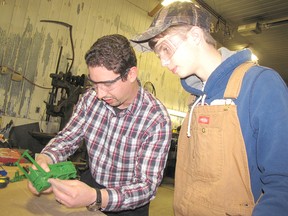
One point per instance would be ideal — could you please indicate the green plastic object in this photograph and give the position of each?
(39, 178)
(17, 177)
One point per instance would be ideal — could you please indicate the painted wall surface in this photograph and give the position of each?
(31, 47)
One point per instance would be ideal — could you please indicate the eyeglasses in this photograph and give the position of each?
(107, 85)
(167, 46)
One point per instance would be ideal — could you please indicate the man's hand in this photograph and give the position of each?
(72, 193)
(43, 161)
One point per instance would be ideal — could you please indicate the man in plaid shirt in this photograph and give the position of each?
(127, 132)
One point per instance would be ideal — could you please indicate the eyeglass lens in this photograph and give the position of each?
(106, 85)
(166, 48)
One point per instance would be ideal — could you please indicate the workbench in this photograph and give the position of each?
(17, 200)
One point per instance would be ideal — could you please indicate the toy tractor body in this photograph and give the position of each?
(39, 177)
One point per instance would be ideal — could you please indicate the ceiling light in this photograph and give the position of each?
(167, 2)
(257, 27)
(163, 4)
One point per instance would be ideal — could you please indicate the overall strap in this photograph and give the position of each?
(235, 81)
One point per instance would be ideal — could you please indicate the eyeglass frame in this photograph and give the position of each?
(167, 38)
(109, 81)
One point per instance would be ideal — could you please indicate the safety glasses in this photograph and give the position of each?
(167, 46)
(107, 85)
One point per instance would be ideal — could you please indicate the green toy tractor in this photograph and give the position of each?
(39, 178)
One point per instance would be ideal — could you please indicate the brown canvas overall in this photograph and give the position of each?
(212, 175)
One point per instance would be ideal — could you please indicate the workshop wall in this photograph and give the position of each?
(30, 50)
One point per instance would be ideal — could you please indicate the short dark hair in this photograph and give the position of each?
(114, 52)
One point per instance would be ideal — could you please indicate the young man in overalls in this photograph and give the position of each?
(232, 149)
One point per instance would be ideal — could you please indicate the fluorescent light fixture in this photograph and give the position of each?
(249, 29)
(167, 2)
(176, 113)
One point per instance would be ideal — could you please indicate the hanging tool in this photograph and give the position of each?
(71, 39)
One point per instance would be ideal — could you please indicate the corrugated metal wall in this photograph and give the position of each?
(31, 47)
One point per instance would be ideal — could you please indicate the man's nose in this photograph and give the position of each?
(101, 93)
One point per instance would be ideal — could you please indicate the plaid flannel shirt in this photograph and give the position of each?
(127, 151)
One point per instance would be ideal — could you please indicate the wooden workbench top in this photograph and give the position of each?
(17, 200)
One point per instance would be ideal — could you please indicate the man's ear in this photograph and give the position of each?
(133, 73)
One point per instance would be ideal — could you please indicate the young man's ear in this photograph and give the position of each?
(132, 74)
(195, 35)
